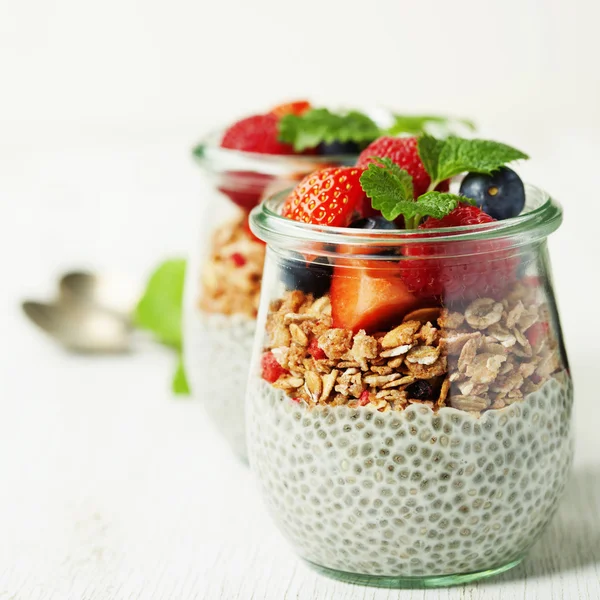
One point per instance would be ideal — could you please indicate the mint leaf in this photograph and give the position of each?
(419, 124)
(429, 149)
(389, 187)
(159, 309)
(446, 158)
(321, 125)
(437, 204)
(179, 384)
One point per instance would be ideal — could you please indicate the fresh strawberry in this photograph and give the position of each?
(258, 133)
(271, 369)
(368, 295)
(328, 197)
(472, 269)
(315, 350)
(298, 107)
(403, 151)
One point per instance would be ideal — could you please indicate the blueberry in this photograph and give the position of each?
(373, 223)
(338, 148)
(308, 277)
(501, 194)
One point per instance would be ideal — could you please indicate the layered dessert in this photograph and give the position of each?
(410, 405)
(254, 156)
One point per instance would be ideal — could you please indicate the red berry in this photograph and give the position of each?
(368, 295)
(315, 350)
(537, 332)
(258, 133)
(328, 197)
(298, 107)
(271, 369)
(364, 398)
(238, 259)
(472, 269)
(403, 151)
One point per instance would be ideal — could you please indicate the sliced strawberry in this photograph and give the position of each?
(271, 369)
(470, 269)
(330, 196)
(298, 107)
(368, 295)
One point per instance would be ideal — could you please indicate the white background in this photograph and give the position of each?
(109, 488)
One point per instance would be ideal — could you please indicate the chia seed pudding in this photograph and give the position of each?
(409, 402)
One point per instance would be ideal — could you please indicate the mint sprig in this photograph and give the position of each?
(320, 125)
(391, 191)
(446, 158)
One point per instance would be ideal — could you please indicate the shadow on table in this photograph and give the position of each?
(572, 540)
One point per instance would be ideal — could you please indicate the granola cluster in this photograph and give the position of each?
(232, 275)
(488, 356)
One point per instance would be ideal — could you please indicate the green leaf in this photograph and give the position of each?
(321, 125)
(446, 158)
(419, 124)
(389, 187)
(160, 308)
(429, 149)
(437, 204)
(179, 384)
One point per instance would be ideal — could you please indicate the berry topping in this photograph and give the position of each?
(328, 197)
(500, 194)
(377, 222)
(315, 350)
(238, 259)
(537, 332)
(482, 268)
(271, 369)
(364, 398)
(308, 277)
(258, 133)
(420, 390)
(298, 107)
(404, 152)
(368, 295)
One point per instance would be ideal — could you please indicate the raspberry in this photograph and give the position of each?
(474, 269)
(271, 369)
(403, 151)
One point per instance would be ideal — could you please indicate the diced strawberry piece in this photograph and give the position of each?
(331, 196)
(537, 332)
(315, 350)
(238, 259)
(368, 295)
(271, 369)
(298, 107)
(364, 398)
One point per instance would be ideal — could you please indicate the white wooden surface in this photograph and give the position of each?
(112, 489)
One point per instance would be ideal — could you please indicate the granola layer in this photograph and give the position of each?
(232, 275)
(486, 357)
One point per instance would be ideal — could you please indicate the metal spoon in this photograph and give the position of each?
(81, 328)
(106, 291)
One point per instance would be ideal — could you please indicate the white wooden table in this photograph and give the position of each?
(112, 489)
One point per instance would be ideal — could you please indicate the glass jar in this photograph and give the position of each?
(426, 441)
(224, 276)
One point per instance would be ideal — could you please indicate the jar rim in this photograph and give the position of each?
(209, 154)
(544, 216)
